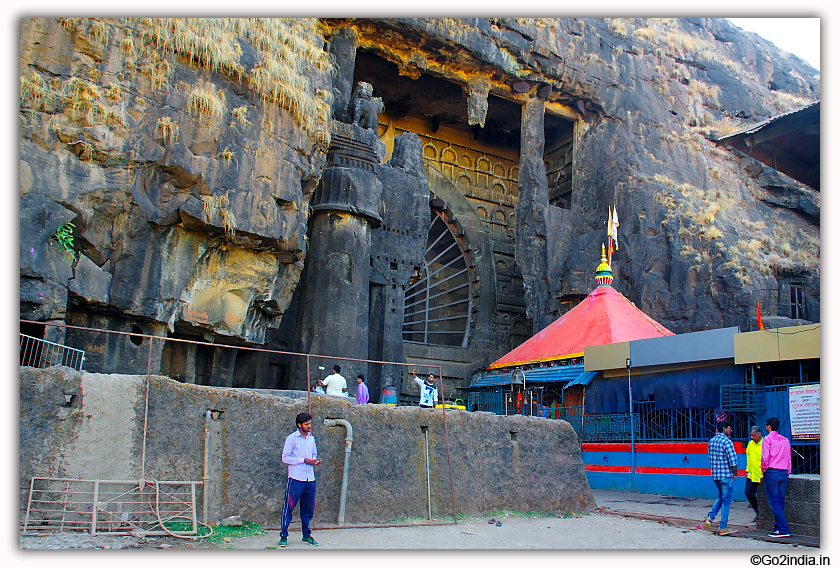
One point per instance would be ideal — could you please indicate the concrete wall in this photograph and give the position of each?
(802, 506)
(516, 463)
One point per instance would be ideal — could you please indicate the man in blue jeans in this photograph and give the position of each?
(776, 465)
(301, 454)
(724, 465)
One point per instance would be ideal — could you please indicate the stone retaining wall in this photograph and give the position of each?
(802, 506)
(514, 463)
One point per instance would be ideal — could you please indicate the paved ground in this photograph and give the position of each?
(616, 526)
(678, 507)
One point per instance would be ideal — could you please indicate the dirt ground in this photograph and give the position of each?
(588, 532)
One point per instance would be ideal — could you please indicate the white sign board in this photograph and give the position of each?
(804, 411)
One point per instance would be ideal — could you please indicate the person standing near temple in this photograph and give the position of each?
(301, 454)
(754, 473)
(776, 465)
(362, 393)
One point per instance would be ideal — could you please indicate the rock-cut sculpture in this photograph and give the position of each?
(365, 108)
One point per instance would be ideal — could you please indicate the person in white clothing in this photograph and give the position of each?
(428, 390)
(335, 384)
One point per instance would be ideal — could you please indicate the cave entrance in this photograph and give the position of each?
(483, 164)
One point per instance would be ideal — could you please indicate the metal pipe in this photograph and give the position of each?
(308, 388)
(632, 427)
(348, 447)
(448, 452)
(428, 471)
(206, 479)
(237, 347)
(146, 411)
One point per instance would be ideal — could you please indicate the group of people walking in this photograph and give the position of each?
(768, 463)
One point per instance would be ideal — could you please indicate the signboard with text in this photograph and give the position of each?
(804, 411)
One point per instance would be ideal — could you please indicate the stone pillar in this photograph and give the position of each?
(531, 212)
(478, 90)
(224, 361)
(334, 291)
(189, 351)
(343, 48)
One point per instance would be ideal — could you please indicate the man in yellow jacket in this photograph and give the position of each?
(753, 469)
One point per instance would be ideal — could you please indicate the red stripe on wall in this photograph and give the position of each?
(675, 470)
(611, 468)
(656, 470)
(665, 447)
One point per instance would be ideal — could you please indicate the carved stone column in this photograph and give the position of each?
(334, 290)
(478, 90)
(530, 213)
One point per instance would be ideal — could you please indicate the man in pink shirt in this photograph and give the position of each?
(775, 463)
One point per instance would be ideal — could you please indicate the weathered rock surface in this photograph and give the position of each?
(190, 191)
(498, 463)
(184, 186)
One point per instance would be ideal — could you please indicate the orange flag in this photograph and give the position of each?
(760, 321)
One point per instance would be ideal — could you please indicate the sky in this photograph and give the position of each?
(799, 36)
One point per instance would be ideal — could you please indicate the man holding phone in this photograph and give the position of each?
(301, 454)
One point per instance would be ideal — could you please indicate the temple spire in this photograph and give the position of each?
(603, 274)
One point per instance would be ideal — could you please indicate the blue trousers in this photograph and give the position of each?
(726, 492)
(775, 484)
(302, 492)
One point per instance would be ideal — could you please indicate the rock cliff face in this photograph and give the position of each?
(185, 155)
(186, 179)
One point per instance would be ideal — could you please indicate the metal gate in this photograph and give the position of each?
(115, 507)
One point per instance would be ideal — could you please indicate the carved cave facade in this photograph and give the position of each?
(453, 215)
(462, 301)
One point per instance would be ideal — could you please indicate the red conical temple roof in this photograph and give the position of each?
(604, 316)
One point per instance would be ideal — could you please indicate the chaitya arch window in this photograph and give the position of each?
(437, 307)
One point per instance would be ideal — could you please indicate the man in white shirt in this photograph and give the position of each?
(428, 390)
(335, 384)
(300, 453)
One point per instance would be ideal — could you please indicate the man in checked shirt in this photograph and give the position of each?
(301, 454)
(724, 466)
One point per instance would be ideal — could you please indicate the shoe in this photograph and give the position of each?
(755, 520)
(778, 534)
(310, 540)
(498, 523)
(708, 523)
(726, 531)
(491, 522)
(283, 542)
